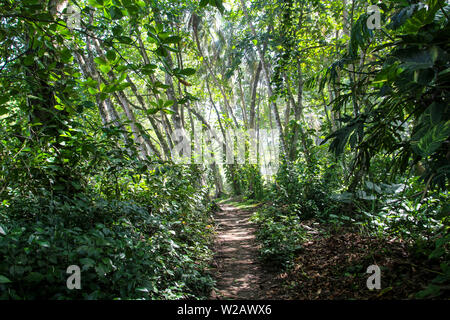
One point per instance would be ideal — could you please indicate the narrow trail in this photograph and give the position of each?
(239, 274)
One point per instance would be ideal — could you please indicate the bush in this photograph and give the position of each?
(246, 180)
(303, 189)
(280, 235)
(125, 249)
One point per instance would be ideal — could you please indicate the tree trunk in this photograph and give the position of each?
(269, 86)
(254, 91)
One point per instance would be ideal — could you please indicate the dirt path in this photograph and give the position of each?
(239, 274)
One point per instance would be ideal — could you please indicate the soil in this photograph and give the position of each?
(331, 264)
(239, 273)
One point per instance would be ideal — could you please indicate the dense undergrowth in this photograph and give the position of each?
(137, 229)
(87, 145)
(380, 214)
(385, 175)
(126, 249)
(153, 249)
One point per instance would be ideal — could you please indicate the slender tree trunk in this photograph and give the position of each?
(351, 67)
(214, 167)
(269, 87)
(243, 104)
(254, 91)
(155, 127)
(229, 110)
(287, 113)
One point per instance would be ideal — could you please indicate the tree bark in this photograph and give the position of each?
(269, 86)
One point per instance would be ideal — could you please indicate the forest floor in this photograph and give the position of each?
(331, 265)
(238, 271)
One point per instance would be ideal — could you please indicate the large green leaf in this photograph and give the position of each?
(4, 279)
(432, 139)
(187, 72)
(115, 13)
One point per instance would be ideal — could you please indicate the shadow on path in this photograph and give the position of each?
(239, 274)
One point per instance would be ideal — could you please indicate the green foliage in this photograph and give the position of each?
(126, 249)
(86, 115)
(215, 3)
(280, 235)
(76, 185)
(302, 189)
(245, 180)
(441, 254)
(403, 95)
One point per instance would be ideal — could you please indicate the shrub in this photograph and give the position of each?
(280, 234)
(125, 249)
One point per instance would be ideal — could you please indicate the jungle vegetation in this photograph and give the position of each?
(92, 92)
